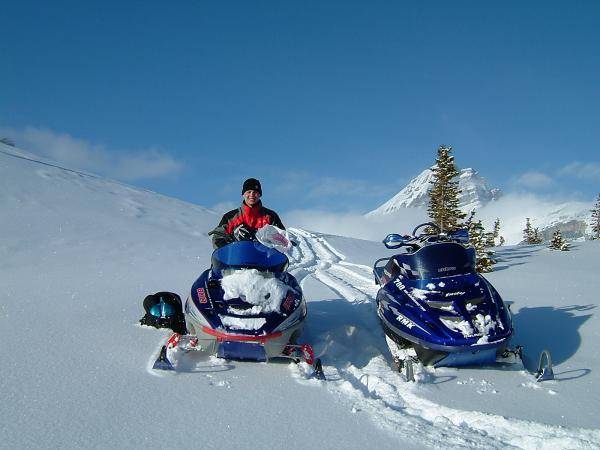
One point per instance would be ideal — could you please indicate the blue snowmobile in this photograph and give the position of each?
(251, 327)
(436, 309)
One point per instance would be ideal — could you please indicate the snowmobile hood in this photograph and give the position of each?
(208, 306)
(459, 311)
(248, 254)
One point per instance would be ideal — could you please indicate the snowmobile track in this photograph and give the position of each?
(375, 388)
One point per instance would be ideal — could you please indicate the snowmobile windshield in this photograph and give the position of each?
(248, 254)
(440, 260)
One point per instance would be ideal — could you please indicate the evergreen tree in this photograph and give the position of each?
(484, 261)
(469, 220)
(496, 233)
(489, 240)
(596, 219)
(496, 228)
(528, 232)
(558, 243)
(443, 195)
(537, 238)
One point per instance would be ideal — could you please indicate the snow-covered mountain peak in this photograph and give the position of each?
(475, 192)
(414, 194)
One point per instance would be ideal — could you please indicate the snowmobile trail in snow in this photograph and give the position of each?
(345, 332)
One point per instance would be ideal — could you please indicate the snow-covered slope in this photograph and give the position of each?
(572, 218)
(78, 253)
(475, 193)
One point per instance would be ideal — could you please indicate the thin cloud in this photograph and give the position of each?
(327, 190)
(146, 164)
(80, 153)
(582, 171)
(332, 186)
(534, 180)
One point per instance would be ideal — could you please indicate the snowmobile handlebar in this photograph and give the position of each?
(437, 229)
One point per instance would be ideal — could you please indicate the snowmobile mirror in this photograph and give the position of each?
(394, 240)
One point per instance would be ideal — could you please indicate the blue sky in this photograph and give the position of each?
(333, 105)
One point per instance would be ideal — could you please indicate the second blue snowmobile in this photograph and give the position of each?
(436, 309)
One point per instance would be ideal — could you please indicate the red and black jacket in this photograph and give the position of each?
(255, 217)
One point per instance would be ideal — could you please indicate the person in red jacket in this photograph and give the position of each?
(241, 224)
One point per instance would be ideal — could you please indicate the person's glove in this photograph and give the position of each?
(243, 233)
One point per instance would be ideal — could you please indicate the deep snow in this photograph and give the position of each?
(78, 253)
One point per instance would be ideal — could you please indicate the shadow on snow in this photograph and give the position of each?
(347, 333)
(555, 329)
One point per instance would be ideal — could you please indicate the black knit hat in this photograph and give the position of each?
(252, 184)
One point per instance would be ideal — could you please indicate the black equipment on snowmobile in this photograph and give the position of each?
(164, 310)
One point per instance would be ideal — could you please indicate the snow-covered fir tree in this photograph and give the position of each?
(496, 228)
(489, 239)
(531, 235)
(596, 219)
(477, 237)
(469, 220)
(497, 233)
(528, 232)
(558, 242)
(537, 237)
(443, 195)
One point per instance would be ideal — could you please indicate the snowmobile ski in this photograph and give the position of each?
(179, 345)
(318, 372)
(162, 362)
(544, 371)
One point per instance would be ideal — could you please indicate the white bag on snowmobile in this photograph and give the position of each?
(273, 237)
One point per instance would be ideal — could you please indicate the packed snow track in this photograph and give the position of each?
(345, 333)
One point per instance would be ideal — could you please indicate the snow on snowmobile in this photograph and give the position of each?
(437, 310)
(245, 307)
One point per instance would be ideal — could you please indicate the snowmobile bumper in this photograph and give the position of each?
(468, 358)
(242, 351)
(436, 355)
(247, 347)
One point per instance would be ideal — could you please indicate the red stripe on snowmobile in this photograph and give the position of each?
(173, 340)
(240, 337)
(309, 354)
